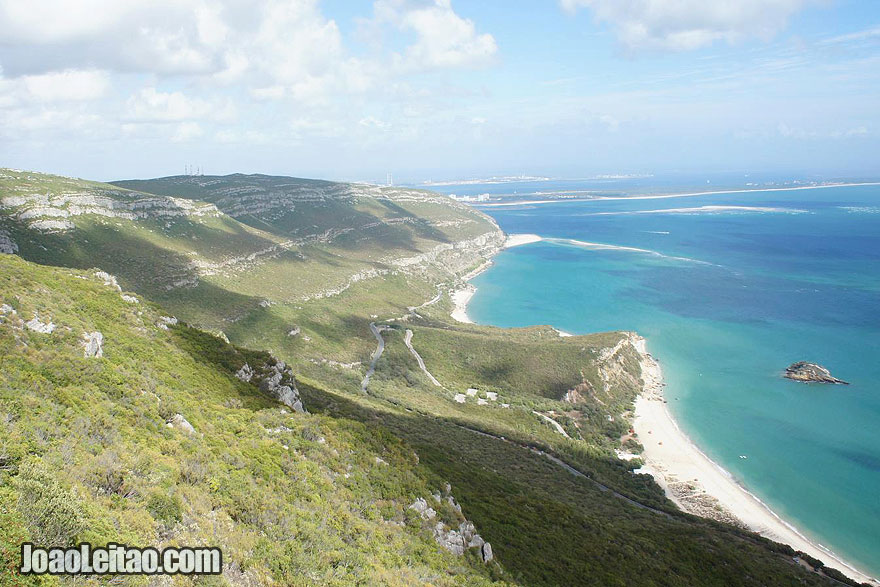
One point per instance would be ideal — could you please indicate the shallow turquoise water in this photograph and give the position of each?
(727, 300)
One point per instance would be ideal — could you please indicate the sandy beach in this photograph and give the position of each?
(515, 240)
(694, 482)
(460, 299)
(698, 485)
(667, 196)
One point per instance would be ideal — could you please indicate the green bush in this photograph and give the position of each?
(51, 512)
(165, 508)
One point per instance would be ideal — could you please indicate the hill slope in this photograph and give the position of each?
(158, 442)
(522, 423)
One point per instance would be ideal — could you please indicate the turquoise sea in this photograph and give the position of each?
(727, 297)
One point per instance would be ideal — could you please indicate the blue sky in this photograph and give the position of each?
(439, 89)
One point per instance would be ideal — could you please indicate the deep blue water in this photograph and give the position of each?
(727, 300)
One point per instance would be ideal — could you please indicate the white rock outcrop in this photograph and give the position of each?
(52, 211)
(278, 381)
(178, 421)
(38, 326)
(166, 321)
(245, 373)
(455, 540)
(108, 279)
(94, 345)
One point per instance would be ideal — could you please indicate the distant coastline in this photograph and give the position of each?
(667, 196)
(674, 460)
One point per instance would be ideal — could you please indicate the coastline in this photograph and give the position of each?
(460, 296)
(667, 196)
(698, 485)
(690, 479)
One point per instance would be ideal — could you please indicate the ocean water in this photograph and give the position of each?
(729, 289)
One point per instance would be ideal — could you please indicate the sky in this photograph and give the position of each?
(440, 89)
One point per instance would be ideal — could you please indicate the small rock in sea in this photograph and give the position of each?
(811, 373)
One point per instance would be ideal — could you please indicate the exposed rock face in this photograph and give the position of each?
(51, 212)
(457, 541)
(811, 373)
(166, 321)
(37, 326)
(7, 246)
(245, 373)
(487, 552)
(178, 421)
(108, 279)
(275, 379)
(94, 342)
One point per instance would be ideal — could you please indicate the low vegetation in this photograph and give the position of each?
(522, 427)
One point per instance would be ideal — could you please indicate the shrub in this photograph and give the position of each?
(165, 508)
(51, 512)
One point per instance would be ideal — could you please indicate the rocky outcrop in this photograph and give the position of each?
(456, 257)
(109, 280)
(37, 325)
(275, 379)
(456, 540)
(166, 321)
(181, 423)
(245, 373)
(53, 211)
(94, 345)
(7, 245)
(811, 373)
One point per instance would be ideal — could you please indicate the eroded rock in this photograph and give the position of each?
(37, 326)
(94, 345)
(811, 373)
(456, 540)
(178, 421)
(245, 373)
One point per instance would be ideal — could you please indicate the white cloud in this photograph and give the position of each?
(151, 105)
(160, 36)
(182, 69)
(66, 85)
(688, 24)
(373, 122)
(187, 131)
(443, 38)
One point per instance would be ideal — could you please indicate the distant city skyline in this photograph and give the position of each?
(437, 90)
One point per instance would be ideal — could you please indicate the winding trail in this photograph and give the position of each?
(407, 340)
(377, 354)
(555, 424)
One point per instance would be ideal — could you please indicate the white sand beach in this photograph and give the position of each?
(667, 196)
(698, 485)
(460, 299)
(690, 479)
(515, 240)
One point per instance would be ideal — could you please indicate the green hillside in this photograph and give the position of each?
(521, 424)
(295, 497)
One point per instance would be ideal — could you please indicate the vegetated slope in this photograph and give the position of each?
(504, 395)
(274, 256)
(155, 441)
